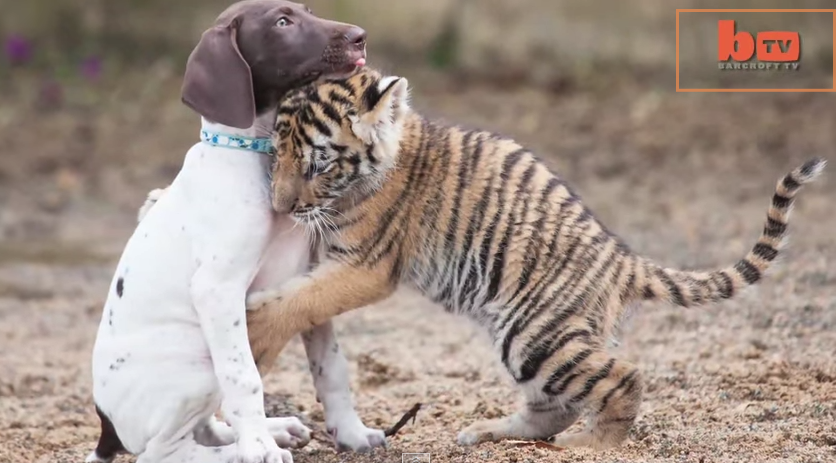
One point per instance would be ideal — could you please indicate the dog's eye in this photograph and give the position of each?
(284, 21)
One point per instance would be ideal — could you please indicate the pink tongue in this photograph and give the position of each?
(360, 62)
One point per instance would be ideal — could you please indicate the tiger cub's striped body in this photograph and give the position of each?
(479, 225)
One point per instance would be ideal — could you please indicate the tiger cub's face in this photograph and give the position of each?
(335, 141)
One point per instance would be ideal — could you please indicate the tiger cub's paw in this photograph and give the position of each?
(258, 299)
(483, 431)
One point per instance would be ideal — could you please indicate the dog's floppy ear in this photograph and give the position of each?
(218, 83)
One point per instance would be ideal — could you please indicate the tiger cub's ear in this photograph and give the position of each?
(384, 107)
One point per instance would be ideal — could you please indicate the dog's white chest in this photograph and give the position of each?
(287, 254)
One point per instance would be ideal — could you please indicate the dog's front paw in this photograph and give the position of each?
(261, 448)
(352, 434)
(289, 432)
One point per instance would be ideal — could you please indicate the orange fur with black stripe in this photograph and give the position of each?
(476, 223)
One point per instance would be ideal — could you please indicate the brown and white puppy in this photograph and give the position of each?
(172, 345)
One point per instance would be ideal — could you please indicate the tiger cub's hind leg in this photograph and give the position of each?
(578, 378)
(545, 413)
(610, 390)
(529, 423)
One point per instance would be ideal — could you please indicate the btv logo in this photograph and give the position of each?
(770, 48)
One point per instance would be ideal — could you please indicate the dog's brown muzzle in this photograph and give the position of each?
(347, 51)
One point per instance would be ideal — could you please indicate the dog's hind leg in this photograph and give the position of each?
(109, 444)
(286, 431)
(188, 450)
(215, 433)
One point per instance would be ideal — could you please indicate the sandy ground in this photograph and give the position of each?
(684, 178)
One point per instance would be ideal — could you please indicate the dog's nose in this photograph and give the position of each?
(356, 36)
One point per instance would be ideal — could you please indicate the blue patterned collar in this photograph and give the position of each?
(259, 145)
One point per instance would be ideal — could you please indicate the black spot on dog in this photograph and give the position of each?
(120, 286)
(255, 390)
(237, 323)
(118, 364)
(319, 372)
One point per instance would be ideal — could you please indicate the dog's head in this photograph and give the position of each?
(258, 50)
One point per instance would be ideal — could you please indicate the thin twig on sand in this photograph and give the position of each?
(411, 414)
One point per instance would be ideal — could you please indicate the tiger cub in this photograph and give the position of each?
(478, 224)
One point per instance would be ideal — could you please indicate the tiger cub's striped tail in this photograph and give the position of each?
(691, 288)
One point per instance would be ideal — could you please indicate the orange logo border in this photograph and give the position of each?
(749, 90)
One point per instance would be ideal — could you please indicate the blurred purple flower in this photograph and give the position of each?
(18, 49)
(91, 68)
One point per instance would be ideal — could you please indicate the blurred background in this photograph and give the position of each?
(91, 119)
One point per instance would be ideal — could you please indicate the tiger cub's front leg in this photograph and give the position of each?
(332, 288)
